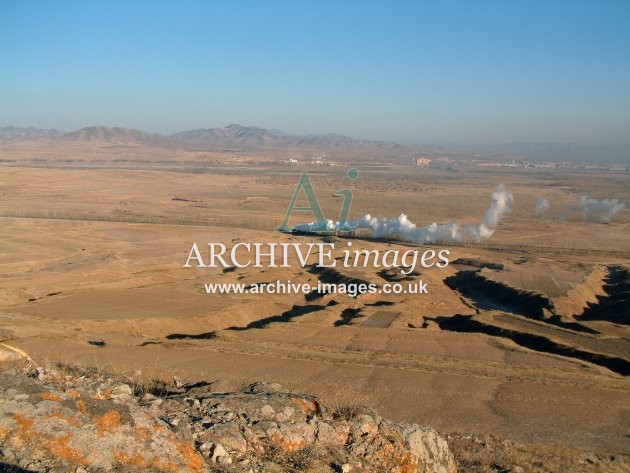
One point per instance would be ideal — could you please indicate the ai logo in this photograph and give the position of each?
(305, 184)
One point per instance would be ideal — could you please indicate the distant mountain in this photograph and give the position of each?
(113, 135)
(246, 138)
(233, 136)
(15, 133)
(335, 141)
(251, 137)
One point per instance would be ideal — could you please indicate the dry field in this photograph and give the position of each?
(525, 335)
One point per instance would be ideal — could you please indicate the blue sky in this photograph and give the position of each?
(470, 71)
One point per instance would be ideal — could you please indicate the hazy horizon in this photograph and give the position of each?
(408, 72)
(428, 143)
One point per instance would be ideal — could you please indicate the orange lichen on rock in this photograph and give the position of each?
(60, 448)
(51, 397)
(108, 421)
(407, 463)
(22, 421)
(142, 433)
(287, 445)
(193, 459)
(102, 397)
(305, 405)
(80, 405)
(135, 460)
(124, 434)
(143, 463)
(163, 465)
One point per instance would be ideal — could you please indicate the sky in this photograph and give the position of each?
(410, 71)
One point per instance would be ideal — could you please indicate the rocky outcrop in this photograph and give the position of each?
(44, 429)
(50, 422)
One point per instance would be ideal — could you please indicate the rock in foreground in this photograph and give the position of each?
(54, 423)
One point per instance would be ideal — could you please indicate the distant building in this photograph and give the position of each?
(321, 160)
(441, 163)
(423, 162)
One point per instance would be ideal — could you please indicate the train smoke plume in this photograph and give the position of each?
(599, 210)
(541, 207)
(500, 206)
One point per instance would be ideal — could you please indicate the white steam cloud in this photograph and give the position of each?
(500, 206)
(541, 207)
(599, 210)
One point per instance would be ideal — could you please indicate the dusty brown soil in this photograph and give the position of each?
(535, 351)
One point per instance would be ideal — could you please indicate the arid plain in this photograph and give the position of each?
(525, 335)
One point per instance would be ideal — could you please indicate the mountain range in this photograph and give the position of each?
(250, 138)
(233, 136)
